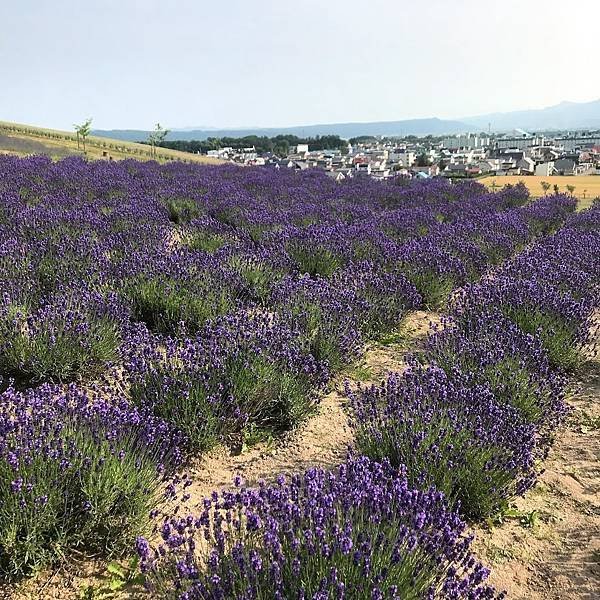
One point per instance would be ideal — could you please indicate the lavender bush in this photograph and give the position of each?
(58, 338)
(243, 372)
(511, 363)
(76, 472)
(449, 433)
(359, 531)
(480, 404)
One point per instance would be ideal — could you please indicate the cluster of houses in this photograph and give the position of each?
(470, 155)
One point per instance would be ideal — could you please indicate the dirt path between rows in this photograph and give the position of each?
(322, 441)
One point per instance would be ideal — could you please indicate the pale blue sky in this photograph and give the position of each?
(228, 63)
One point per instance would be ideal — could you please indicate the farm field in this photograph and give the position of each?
(23, 140)
(587, 187)
(225, 382)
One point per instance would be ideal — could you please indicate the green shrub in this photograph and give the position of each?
(75, 474)
(244, 374)
(258, 277)
(183, 210)
(314, 260)
(558, 336)
(204, 241)
(273, 398)
(182, 401)
(55, 343)
(164, 304)
(449, 434)
(435, 289)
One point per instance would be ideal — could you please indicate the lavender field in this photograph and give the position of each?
(149, 314)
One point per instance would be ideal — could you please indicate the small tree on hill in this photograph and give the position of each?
(157, 137)
(556, 188)
(571, 189)
(83, 131)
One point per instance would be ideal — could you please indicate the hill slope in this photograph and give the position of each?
(24, 139)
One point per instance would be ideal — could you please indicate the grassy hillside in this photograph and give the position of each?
(24, 139)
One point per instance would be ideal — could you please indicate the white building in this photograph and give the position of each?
(526, 164)
(405, 158)
(544, 169)
(470, 140)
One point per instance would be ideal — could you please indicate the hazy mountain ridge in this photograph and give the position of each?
(566, 115)
(347, 130)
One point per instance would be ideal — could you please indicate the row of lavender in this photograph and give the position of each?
(211, 304)
(466, 424)
(477, 411)
(111, 264)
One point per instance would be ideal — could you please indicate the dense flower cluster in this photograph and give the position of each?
(479, 406)
(77, 469)
(359, 531)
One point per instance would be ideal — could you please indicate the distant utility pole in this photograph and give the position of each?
(157, 137)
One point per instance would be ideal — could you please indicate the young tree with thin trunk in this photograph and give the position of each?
(83, 131)
(157, 137)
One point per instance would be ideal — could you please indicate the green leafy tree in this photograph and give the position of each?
(83, 131)
(571, 189)
(157, 137)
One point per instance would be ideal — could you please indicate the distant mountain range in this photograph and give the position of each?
(344, 130)
(566, 115)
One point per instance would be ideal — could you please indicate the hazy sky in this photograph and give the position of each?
(227, 63)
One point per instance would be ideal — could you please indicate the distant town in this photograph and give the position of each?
(461, 156)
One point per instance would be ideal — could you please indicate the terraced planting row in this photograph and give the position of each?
(150, 313)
